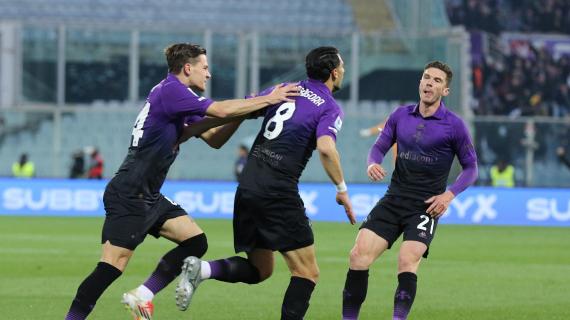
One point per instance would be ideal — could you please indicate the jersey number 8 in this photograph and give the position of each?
(283, 113)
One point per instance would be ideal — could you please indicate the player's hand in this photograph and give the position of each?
(376, 172)
(284, 93)
(343, 199)
(439, 204)
(560, 151)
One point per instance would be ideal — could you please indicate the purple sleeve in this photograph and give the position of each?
(261, 112)
(384, 141)
(180, 101)
(465, 151)
(330, 121)
(466, 178)
(192, 119)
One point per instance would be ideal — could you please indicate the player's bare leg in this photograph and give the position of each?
(304, 275)
(367, 248)
(191, 242)
(409, 260)
(114, 260)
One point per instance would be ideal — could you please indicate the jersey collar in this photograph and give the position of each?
(439, 114)
(319, 85)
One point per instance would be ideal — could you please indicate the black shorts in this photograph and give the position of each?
(128, 221)
(270, 222)
(393, 216)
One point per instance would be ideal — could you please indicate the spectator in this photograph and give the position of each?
(547, 16)
(23, 168)
(96, 165)
(525, 79)
(561, 153)
(502, 174)
(78, 165)
(241, 160)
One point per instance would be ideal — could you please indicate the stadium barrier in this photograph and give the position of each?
(205, 199)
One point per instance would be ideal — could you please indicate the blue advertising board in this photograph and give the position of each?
(203, 199)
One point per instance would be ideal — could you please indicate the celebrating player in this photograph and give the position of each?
(268, 211)
(429, 136)
(133, 202)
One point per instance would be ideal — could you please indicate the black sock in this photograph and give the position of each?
(91, 289)
(234, 269)
(405, 294)
(169, 267)
(296, 300)
(354, 293)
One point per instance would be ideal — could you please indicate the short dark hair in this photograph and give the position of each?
(178, 54)
(443, 67)
(320, 62)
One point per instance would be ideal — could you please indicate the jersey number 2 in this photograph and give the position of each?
(426, 220)
(283, 113)
(139, 123)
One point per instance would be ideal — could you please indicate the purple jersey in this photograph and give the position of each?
(426, 148)
(288, 137)
(157, 128)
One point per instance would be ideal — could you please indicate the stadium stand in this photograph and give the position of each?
(108, 127)
(550, 16)
(393, 49)
(521, 81)
(294, 15)
(517, 75)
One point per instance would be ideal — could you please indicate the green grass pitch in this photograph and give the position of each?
(473, 272)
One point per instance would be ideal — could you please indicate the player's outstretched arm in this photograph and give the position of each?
(198, 128)
(240, 107)
(218, 136)
(330, 160)
(214, 131)
(372, 131)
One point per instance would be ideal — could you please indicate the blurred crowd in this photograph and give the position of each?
(547, 16)
(528, 81)
(523, 78)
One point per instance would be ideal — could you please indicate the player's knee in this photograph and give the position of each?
(195, 246)
(408, 263)
(360, 259)
(308, 272)
(315, 275)
(264, 274)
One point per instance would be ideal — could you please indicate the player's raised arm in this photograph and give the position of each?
(330, 160)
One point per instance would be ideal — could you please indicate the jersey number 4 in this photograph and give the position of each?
(283, 113)
(139, 123)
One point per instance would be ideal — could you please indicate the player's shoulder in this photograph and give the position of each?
(454, 118)
(458, 125)
(332, 104)
(402, 110)
(408, 108)
(173, 86)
